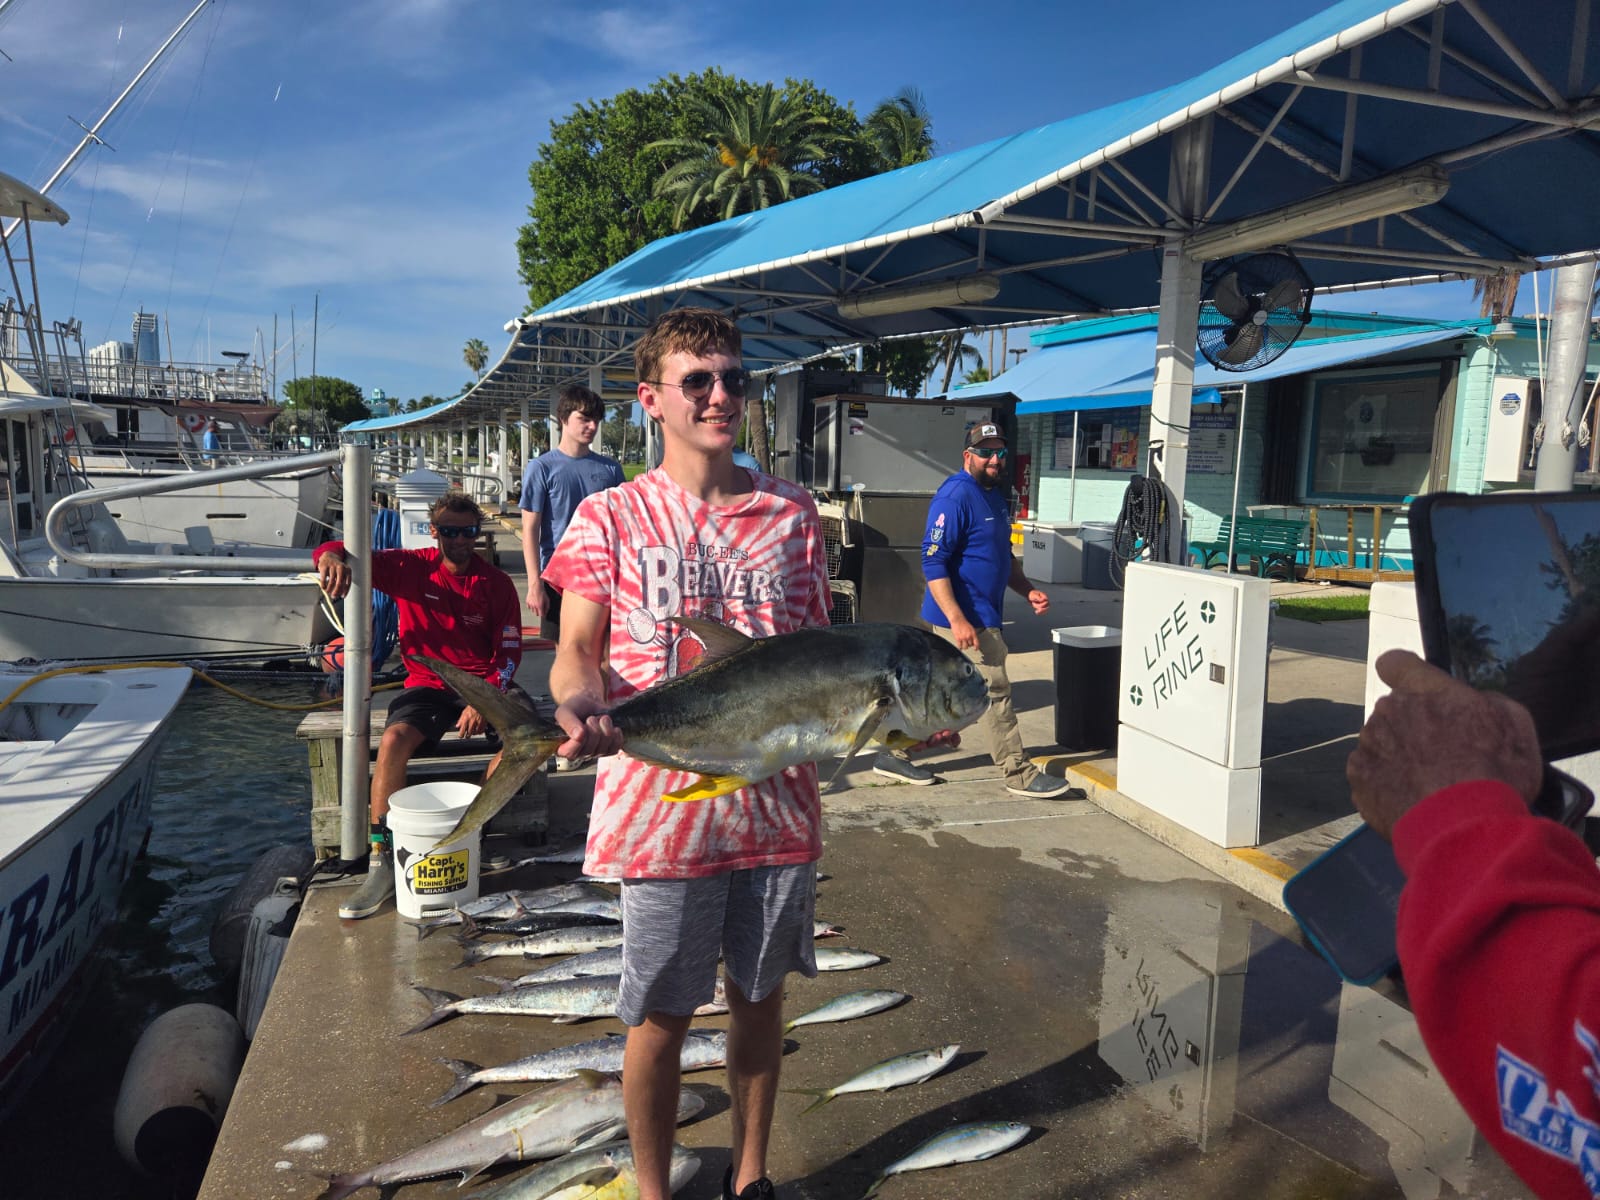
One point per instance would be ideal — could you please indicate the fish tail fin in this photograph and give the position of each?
(464, 1072)
(822, 1096)
(526, 738)
(340, 1186)
(442, 1010)
(426, 929)
(499, 985)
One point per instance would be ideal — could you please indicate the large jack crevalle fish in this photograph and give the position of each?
(751, 707)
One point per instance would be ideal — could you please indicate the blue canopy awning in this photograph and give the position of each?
(420, 416)
(1073, 215)
(1106, 372)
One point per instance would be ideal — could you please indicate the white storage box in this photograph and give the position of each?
(1052, 553)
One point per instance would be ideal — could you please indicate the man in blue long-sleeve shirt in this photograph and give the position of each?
(968, 564)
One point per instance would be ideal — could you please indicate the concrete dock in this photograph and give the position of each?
(1134, 994)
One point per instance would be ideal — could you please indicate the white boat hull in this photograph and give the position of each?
(121, 619)
(74, 814)
(285, 511)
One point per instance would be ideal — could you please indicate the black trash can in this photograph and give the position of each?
(1099, 544)
(1088, 677)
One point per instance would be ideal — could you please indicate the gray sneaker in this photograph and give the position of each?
(1048, 787)
(903, 770)
(375, 890)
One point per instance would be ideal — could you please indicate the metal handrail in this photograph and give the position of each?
(56, 533)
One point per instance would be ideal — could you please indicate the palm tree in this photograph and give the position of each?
(899, 131)
(978, 374)
(754, 152)
(1497, 294)
(476, 355)
(955, 350)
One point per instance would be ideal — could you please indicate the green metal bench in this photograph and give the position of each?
(1266, 542)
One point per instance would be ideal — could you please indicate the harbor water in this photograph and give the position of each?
(232, 784)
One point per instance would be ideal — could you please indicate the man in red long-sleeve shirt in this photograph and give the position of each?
(453, 606)
(1499, 930)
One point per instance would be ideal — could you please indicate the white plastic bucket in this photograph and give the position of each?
(426, 883)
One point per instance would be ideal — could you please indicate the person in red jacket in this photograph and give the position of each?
(1499, 929)
(453, 606)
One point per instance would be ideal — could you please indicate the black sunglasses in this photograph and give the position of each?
(455, 531)
(697, 384)
(988, 452)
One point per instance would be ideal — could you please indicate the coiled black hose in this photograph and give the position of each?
(1143, 526)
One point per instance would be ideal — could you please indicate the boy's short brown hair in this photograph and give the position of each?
(455, 502)
(697, 331)
(577, 398)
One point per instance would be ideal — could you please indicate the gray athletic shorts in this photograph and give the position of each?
(758, 921)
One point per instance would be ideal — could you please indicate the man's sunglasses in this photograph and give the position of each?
(988, 452)
(697, 384)
(455, 531)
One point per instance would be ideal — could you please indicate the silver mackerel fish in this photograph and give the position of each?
(702, 1049)
(566, 1001)
(752, 707)
(582, 1112)
(973, 1142)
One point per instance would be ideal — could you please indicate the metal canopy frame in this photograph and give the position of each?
(1076, 217)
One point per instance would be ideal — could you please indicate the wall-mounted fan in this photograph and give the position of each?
(1252, 309)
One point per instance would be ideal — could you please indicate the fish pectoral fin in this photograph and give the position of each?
(719, 640)
(869, 727)
(708, 787)
(898, 739)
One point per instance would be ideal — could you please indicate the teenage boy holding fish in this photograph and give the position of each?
(732, 875)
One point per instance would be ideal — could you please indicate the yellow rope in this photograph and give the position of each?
(216, 683)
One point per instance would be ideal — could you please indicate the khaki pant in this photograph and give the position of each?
(999, 723)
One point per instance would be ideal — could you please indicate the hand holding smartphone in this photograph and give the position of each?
(1508, 598)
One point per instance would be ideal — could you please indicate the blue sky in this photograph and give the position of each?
(374, 153)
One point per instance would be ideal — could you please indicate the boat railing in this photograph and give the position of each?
(90, 377)
(57, 528)
(165, 457)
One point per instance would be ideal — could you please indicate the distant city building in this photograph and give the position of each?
(112, 352)
(146, 337)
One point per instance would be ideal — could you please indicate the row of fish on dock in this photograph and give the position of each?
(576, 1120)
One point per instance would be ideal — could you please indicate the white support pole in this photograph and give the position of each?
(527, 435)
(1571, 304)
(597, 384)
(354, 788)
(1177, 326)
(505, 464)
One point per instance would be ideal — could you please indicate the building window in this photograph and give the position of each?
(1371, 435)
(1108, 440)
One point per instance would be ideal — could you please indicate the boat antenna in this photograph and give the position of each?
(91, 134)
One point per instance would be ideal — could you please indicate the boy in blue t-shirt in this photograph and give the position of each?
(553, 485)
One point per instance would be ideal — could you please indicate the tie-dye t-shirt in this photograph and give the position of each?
(648, 550)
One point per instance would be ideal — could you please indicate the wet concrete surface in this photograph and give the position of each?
(1162, 1032)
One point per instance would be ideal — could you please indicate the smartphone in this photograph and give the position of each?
(1347, 901)
(1508, 598)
